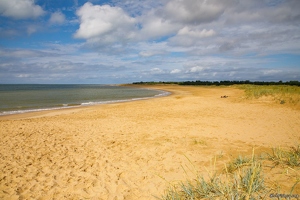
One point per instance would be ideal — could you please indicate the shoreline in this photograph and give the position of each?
(14, 114)
(133, 150)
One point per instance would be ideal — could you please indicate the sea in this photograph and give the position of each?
(22, 98)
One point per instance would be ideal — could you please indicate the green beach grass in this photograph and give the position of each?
(242, 178)
(290, 157)
(282, 94)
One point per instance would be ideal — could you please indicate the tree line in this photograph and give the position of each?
(218, 83)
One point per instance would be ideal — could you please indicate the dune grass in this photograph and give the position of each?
(243, 183)
(290, 157)
(280, 93)
(237, 163)
(242, 178)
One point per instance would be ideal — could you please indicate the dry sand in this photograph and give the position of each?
(133, 150)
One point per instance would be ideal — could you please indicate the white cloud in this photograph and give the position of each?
(139, 7)
(20, 9)
(193, 11)
(151, 53)
(57, 18)
(196, 69)
(287, 12)
(22, 75)
(175, 71)
(104, 24)
(193, 37)
(195, 33)
(31, 29)
(156, 71)
(270, 11)
(166, 40)
(107, 24)
(167, 19)
(154, 27)
(146, 54)
(271, 71)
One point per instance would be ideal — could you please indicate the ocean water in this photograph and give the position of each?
(15, 98)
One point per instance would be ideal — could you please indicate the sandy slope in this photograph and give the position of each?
(133, 150)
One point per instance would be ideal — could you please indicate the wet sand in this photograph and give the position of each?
(133, 150)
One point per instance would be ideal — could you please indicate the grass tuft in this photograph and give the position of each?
(245, 183)
(238, 163)
(279, 93)
(242, 179)
(289, 157)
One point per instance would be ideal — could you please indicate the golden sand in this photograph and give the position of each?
(133, 150)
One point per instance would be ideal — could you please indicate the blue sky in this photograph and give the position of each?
(124, 41)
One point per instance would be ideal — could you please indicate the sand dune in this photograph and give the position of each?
(133, 150)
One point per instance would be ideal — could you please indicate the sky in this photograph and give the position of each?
(125, 41)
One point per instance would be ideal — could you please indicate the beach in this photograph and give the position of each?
(134, 150)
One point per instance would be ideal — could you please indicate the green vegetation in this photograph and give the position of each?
(239, 162)
(279, 93)
(289, 157)
(242, 178)
(259, 91)
(245, 182)
(201, 142)
(218, 83)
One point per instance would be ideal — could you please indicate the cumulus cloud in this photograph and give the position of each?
(151, 53)
(195, 33)
(271, 11)
(154, 26)
(20, 9)
(175, 71)
(164, 40)
(104, 24)
(288, 12)
(196, 69)
(156, 70)
(108, 24)
(57, 64)
(57, 18)
(173, 15)
(193, 11)
(192, 37)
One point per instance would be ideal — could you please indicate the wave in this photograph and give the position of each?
(163, 93)
(68, 106)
